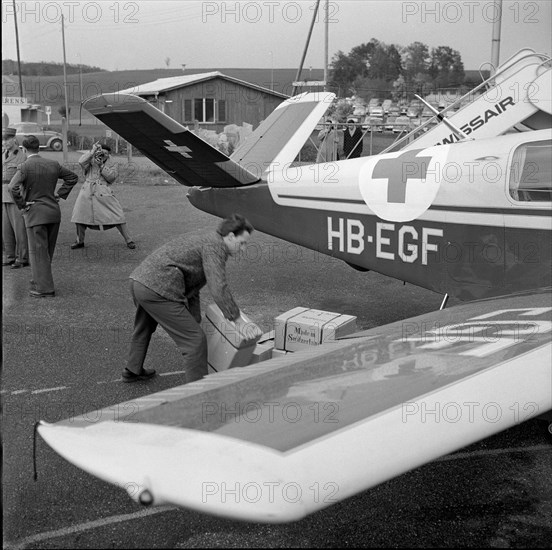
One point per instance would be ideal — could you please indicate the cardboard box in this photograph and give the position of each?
(266, 337)
(262, 352)
(229, 344)
(301, 327)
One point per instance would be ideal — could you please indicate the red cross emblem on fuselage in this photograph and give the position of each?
(398, 171)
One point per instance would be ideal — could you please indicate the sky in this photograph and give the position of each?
(127, 35)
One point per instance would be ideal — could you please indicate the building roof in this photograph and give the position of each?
(171, 83)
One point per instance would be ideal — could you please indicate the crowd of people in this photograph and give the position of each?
(165, 287)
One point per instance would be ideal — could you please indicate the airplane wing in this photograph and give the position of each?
(192, 161)
(179, 152)
(278, 440)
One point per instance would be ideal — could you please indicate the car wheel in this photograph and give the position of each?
(56, 145)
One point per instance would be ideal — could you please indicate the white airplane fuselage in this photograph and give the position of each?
(444, 218)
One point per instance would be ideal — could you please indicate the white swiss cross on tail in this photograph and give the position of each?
(182, 149)
(400, 187)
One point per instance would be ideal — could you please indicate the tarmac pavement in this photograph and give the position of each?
(63, 356)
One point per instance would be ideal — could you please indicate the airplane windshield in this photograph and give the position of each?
(531, 172)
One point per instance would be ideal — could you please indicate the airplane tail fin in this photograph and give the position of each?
(194, 162)
(279, 138)
(179, 152)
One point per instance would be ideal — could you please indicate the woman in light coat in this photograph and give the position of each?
(97, 206)
(329, 140)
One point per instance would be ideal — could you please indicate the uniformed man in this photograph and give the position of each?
(14, 235)
(33, 189)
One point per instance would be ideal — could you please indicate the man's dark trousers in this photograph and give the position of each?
(42, 243)
(152, 310)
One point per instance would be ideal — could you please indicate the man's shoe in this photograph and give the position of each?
(8, 262)
(131, 245)
(17, 265)
(145, 374)
(37, 294)
(77, 245)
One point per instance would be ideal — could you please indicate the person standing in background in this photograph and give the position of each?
(97, 207)
(33, 188)
(14, 235)
(329, 141)
(352, 140)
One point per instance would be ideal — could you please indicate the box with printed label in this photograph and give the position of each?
(229, 343)
(301, 327)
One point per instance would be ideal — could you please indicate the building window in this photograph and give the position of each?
(531, 172)
(188, 117)
(204, 110)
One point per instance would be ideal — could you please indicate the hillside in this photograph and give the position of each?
(50, 91)
(10, 67)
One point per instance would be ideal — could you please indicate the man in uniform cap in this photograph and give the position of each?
(14, 235)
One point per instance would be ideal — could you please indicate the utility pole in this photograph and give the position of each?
(271, 71)
(66, 88)
(65, 126)
(21, 90)
(298, 75)
(326, 33)
(80, 82)
(495, 44)
(80, 77)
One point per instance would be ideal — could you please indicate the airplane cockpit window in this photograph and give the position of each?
(531, 172)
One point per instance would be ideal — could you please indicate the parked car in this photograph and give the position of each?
(47, 138)
(374, 124)
(389, 123)
(394, 110)
(403, 108)
(427, 112)
(414, 109)
(402, 124)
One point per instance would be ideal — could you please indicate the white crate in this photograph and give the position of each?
(229, 344)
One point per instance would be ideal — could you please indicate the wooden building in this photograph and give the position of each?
(212, 99)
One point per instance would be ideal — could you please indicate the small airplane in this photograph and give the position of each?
(278, 440)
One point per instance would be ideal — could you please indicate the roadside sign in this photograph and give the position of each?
(48, 109)
(108, 133)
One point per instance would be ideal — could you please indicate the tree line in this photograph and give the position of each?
(376, 69)
(9, 67)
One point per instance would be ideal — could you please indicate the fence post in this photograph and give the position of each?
(129, 154)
